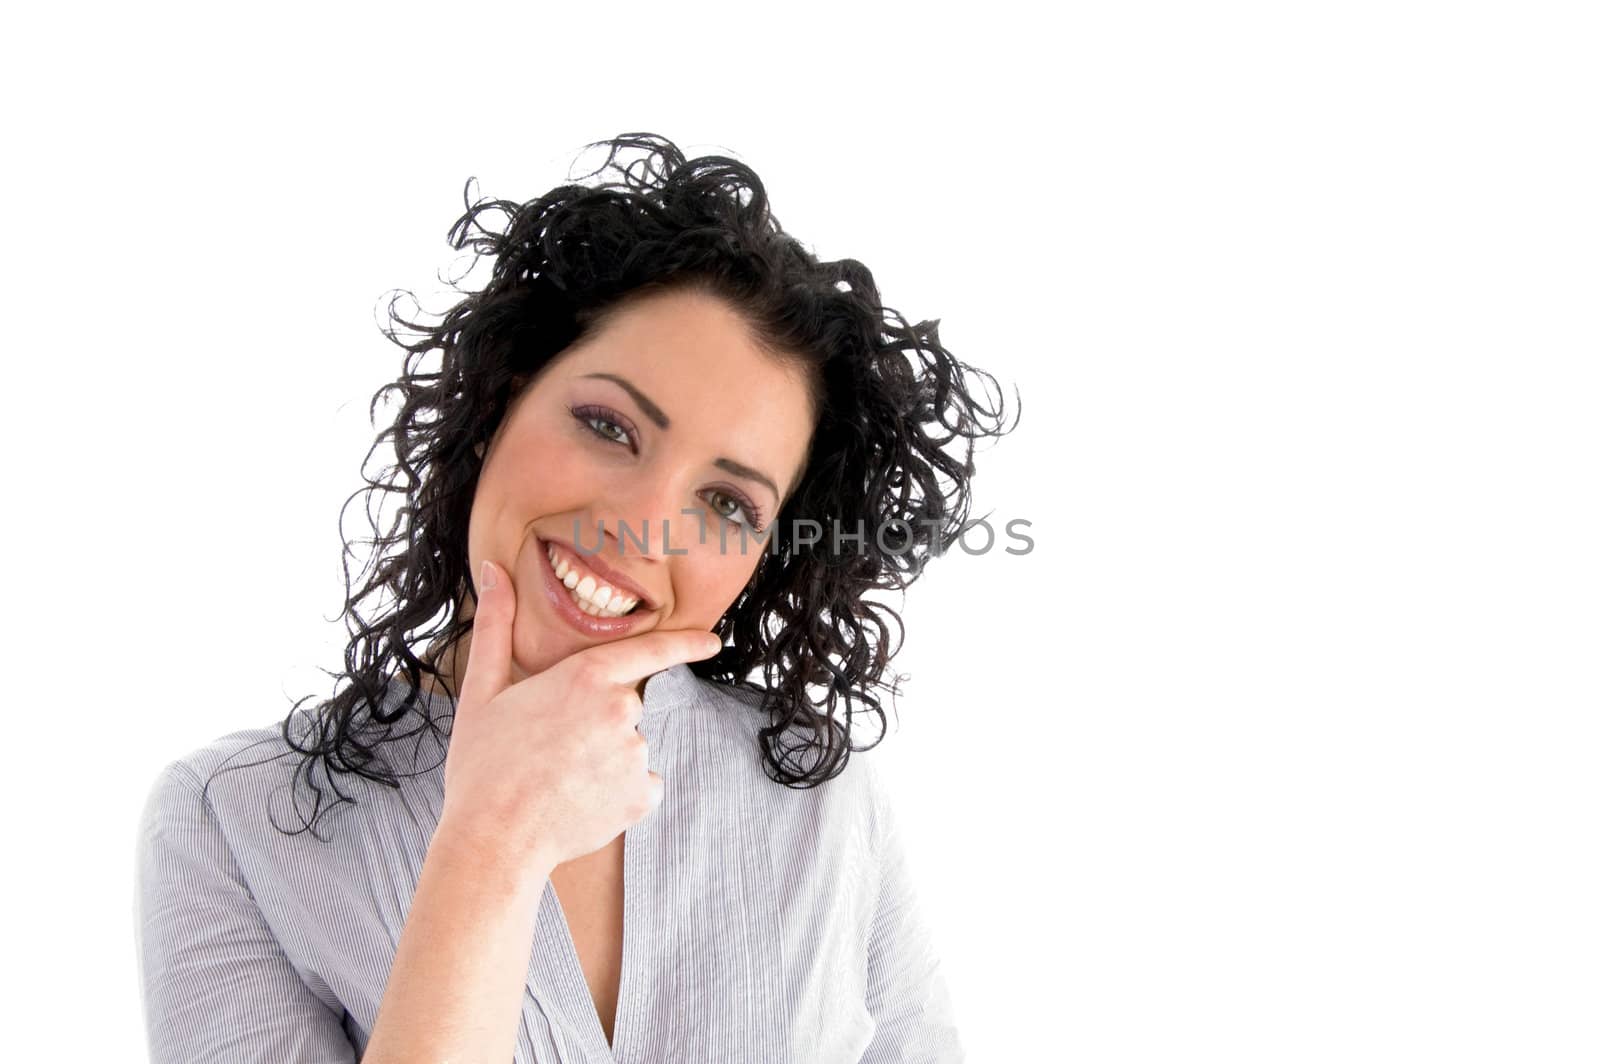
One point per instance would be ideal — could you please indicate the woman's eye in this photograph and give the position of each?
(620, 435)
(603, 424)
(729, 505)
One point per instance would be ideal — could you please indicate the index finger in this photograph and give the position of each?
(630, 660)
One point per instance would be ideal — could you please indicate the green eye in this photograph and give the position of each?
(621, 436)
(728, 504)
(604, 424)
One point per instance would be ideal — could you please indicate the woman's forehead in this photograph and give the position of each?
(692, 348)
(680, 329)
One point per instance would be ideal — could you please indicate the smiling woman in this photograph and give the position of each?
(591, 749)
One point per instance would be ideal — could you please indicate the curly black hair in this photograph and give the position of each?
(891, 402)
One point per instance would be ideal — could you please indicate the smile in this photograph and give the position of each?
(591, 594)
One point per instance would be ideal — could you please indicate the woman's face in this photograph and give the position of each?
(654, 439)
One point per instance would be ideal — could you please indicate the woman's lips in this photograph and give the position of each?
(562, 602)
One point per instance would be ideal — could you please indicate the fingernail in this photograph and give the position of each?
(488, 581)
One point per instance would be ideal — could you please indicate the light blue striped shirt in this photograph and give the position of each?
(761, 923)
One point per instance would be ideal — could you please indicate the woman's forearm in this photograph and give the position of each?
(455, 989)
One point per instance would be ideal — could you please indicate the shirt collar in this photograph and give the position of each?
(672, 686)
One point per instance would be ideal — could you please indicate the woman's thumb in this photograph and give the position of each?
(489, 654)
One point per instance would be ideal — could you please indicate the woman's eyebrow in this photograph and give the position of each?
(651, 410)
(654, 413)
(745, 471)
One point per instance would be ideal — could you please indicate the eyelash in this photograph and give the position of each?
(587, 415)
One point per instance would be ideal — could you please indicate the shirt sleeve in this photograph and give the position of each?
(906, 992)
(214, 982)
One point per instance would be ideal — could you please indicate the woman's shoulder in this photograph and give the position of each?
(251, 767)
(212, 781)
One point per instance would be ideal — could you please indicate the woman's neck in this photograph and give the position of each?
(444, 683)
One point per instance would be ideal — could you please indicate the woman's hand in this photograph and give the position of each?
(552, 767)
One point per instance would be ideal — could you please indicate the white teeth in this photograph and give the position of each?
(593, 597)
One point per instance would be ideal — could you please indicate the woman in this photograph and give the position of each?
(609, 811)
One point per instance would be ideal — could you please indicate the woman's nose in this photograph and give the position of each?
(654, 521)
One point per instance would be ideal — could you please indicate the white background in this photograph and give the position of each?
(1281, 744)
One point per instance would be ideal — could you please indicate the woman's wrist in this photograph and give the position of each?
(485, 849)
